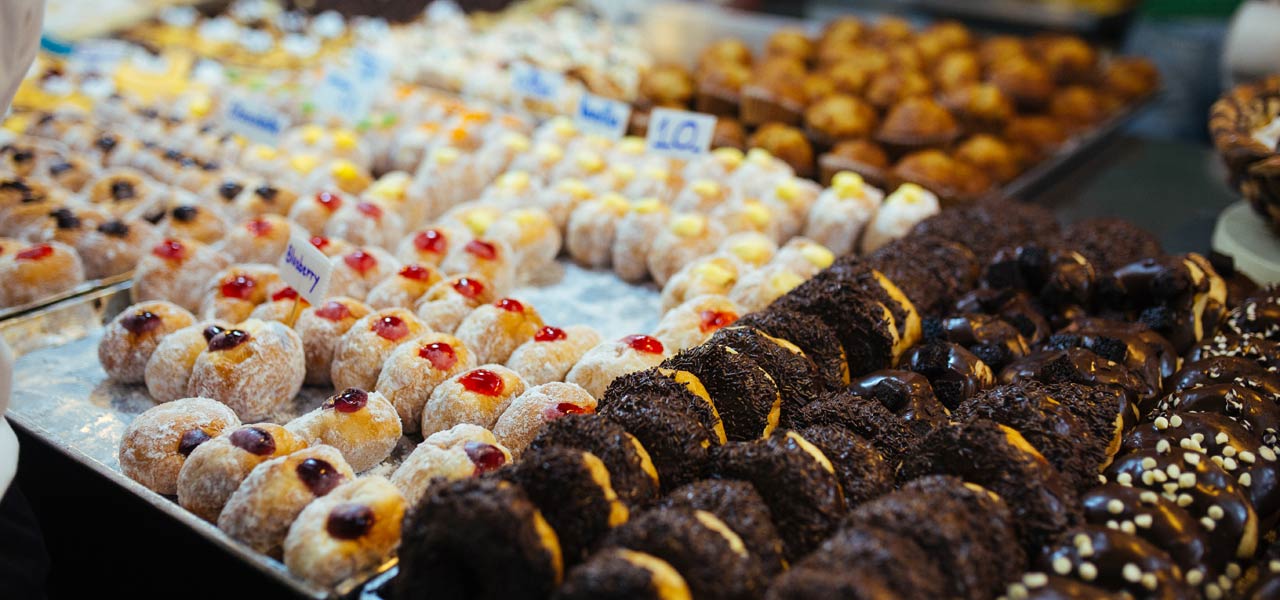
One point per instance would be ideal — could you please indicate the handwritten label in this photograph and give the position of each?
(678, 133)
(536, 84)
(306, 269)
(602, 116)
(255, 120)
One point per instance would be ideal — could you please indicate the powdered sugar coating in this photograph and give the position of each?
(365, 437)
(363, 225)
(534, 238)
(686, 326)
(28, 281)
(258, 240)
(169, 369)
(256, 378)
(442, 308)
(608, 361)
(398, 291)
(634, 236)
(542, 362)
(803, 257)
(460, 434)
(524, 418)
(217, 305)
(124, 354)
(707, 275)
(499, 271)
(758, 288)
(149, 449)
(407, 378)
(212, 473)
(685, 238)
(451, 404)
(358, 359)
(345, 280)
(313, 553)
(182, 282)
(592, 226)
(429, 464)
(837, 221)
(492, 333)
(321, 336)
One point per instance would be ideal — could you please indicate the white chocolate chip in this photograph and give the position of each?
(1187, 480)
(1062, 565)
(1115, 506)
(1195, 577)
(1221, 438)
(1035, 580)
(1192, 458)
(1245, 479)
(1162, 446)
(1088, 572)
(1267, 453)
(1247, 457)
(1161, 423)
(1143, 521)
(1149, 581)
(1208, 523)
(1216, 513)
(1131, 573)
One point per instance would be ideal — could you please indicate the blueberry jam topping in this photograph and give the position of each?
(140, 322)
(114, 228)
(227, 340)
(319, 476)
(190, 440)
(229, 190)
(211, 331)
(185, 213)
(349, 401)
(123, 190)
(254, 441)
(65, 219)
(349, 521)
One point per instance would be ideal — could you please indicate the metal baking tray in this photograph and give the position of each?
(61, 395)
(82, 288)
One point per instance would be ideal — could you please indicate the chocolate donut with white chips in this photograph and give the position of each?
(1116, 561)
(1226, 369)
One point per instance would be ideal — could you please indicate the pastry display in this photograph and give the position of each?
(360, 352)
(215, 469)
(156, 445)
(255, 368)
(351, 530)
(129, 341)
(363, 426)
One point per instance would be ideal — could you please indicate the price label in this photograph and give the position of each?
(306, 269)
(537, 84)
(603, 116)
(255, 120)
(348, 91)
(679, 133)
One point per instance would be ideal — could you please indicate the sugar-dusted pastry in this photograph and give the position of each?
(195, 222)
(124, 192)
(534, 238)
(237, 290)
(366, 223)
(561, 199)
(906, 206)
(609, 360)
(749, 248)
(177, 270)
(837, 219)
(38, 271)
(259, 240)
(351, 531)
(448, 302)
(493, 331)
(331, 247)
(701, 196)
(321, 329)
(255, 368)
(425, 247)
(804, 257)
(461, 452)
(415, 368)
(707, 275)
(758, 288)
(263, 508)
(477, 396)
(686, 237)
(314, 212)
(524, 417)
(490, 259)
(114, 247)
(552, 352)
(362, 425)
(634, 235)
(404, 288)
(157, 442)
(592, 227)
(358, 357)
(168, 371)
(132, 336)
(355, 273)
(695, 320)
(214, 470)
(265, 199)
(511, 188)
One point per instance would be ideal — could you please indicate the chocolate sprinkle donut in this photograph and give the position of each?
(621, 574)
(859, 558)
(676, 440)
(1111, 243)
(862, 470)
(745, 395)
(740, 506)
(864, 326)
(571, 488)
(864, 417)
(794, 373)
(818, 341)
(987, 226)
(933, 272)
(906, 394)
(631, 470)
(682, 390)
(1077, 365)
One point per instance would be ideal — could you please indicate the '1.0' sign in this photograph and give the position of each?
(679, 133)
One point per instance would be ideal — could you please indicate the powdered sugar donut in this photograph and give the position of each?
(365, 223)
(263, 508)
(355, 273)
(477, 396)
(114, 247)
(363, 426)
(321, 329)
(758, 288)
(701, 196)
(427, 247)
(804, 257)
(524, 418)
(750, 248)
(168, 371)
(706, 275)
(255, 368)
(686, 237)
(313, 213)
(552, 352)
(360, 353)
(279, 305)
(634, 236)
(836, 220)
(906, 206)
(331, 247)
(265, 199)
(216, 468)
(194, 222)
(561, 199)
(258, 240)
(490, 259)
(748, 214)
(352, 530)
(237, 290)
(159, 440)
(431, 463)
(179, 271)
(448, 302)
(592, 226)
(533, 236)
(130, 338)
(493, 331)
(38, 271)
(403, 289)
(694, 321)
(609, 360)
(415, 368)
(791, 198)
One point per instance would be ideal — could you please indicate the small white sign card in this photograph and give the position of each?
(679, 133)
(255, 120)
(348, 88)
(306, 269)
(602, 116)
(533, 83)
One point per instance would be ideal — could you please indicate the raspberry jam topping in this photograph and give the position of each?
(486, 457)
(509, 305)
(191, 439)
(643, 343)
(227, 340)
(481, 249)
(713, 320)
(254, 441)
(170, 250)
(349, 521)
(416, 273)
(140, 322)
(319, 476)
(349, 401)
(569, 408)
(431, 241)
(329, 201)
(36, 252)
(361, 261)
(240, 286)
(258, 227)
(482, 381)
(549, 334)
(333, 311)
(211, 331)
(320, 242)
(468, 287)
(391, 327)
(285, 294)
(370, 210)
(441, 355)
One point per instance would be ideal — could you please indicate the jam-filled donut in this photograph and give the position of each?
(357, 272)
(610, 360)
(213, 472)
(263, 508)
(865, 417)
(442, 555)
(350, 531)
(193, 222)
(427, 247)
(631, 470)
(168, 371)
(622, 574)
(808, 333)
(129, 340)
(745, 395)
(490, 259)
(529, 412)
(123, 192)
(906, 394)
(415, 368)
(954, 373)
(255, 368)
(448, 302)
(314, 212)
(794, 373)
(237, 290)
(1077, 365)
(362, 425)
(321, 329)
(992, 339)
(572, 490)
(465, 455)
(796, 480)
(552, 352)
(403, 289)
(494, 331)
(478, 396)
(157, 442)
(706, 551)
(37, 271)
(360, 353)
(177, 270)
(694, 321)
(1114, 560)
(365, 223)
(258, 240)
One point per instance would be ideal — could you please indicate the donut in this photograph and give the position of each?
(265, 199)
(533, 236)
(1077, 365)
(795, 375)
(538, 405)
(494, 331)
(633, 238)
(1262, 351)
(129, 340)
(321, 328)
(906, 394)
(215, 469)
(1060, 279)
(258, 240)
(803, 256)
(1114, 560)
(490, 259)
(363, 426)
(865, 417)
(591, 229)
(157, 442)
(795, 479)
(1015, 307)
(1038, 585)
(987, 226)
(403, 289)
(434, 462)
(552, 352)
(1226, 369)
(864, 327)
(631, 470)
(992, 339)
(255, 369)
(477, 396)
(448, 302)
(841, 212)
(350, 531)
(38, 271)
(746, 397)
(712, 274)
(356, 273)
(810, 335)
(1266, 581)
(1162, 523)
(123, 192)
(610, 360)
(954, 373)
(906, 206)
(1258, 316)
(668, 429)
(1180, 297)
(1111, 243)
(263, 508)
(673, 388)
(740, 506)
(1144, 351)
(621, 574)
(114, 247)
(443, 555)
(168, 371)
(365, 223)
(686, 237)
(414, 369)
(237, 290)
(193, 222)
(427, 247)
(313, 213)
(863, 561)
(177, 270)
(361, 351)
(855, 274)
(757, 289)
(571, 488)
(1243, 405)
(694, 321)
(279, 305)
(1102, 408)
